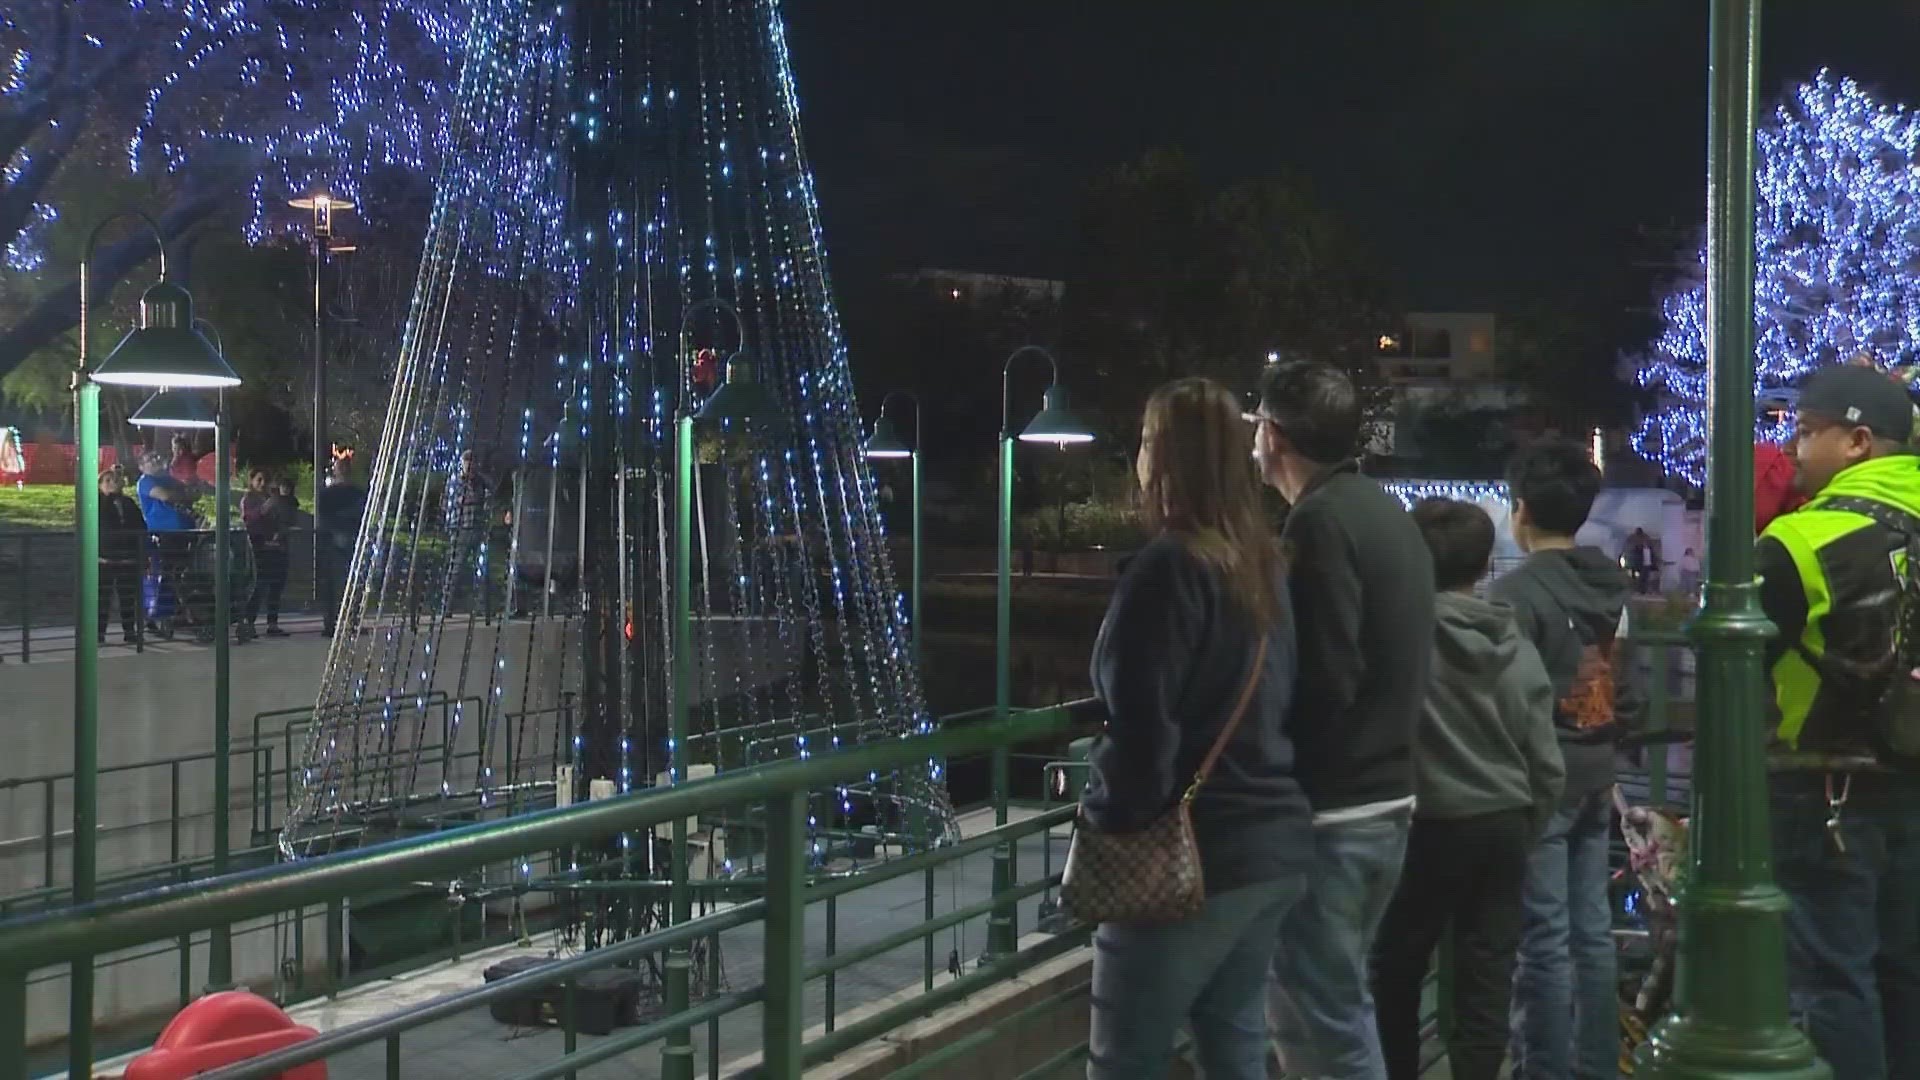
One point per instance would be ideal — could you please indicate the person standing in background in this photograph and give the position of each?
(1488, 773)
(1570, 600)
(466, 497)
(184, 467)
(267, 521)
(337, 510)
(1361, 581)
(123, 554)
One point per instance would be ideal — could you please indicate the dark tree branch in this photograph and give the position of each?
(22, 125)
(56, 312)
(19, 123)
(17, 201)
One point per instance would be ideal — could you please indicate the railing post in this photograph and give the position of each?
(13, 1025)
(26, 594)
(1657, 725)
(46, 818)
(336, 945)
(833, 935)
(781, 1021)
(173, 811)
(570, 1030)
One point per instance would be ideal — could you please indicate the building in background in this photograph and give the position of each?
(974, 286)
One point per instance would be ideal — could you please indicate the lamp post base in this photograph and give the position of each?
(1686, 1049)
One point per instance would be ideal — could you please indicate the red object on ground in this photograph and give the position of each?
(223, 1029)
(1773, 492)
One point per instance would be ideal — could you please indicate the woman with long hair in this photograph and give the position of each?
(1199, 615)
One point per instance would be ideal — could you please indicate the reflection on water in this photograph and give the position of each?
(957, 670)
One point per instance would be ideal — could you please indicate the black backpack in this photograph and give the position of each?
(1884, 671)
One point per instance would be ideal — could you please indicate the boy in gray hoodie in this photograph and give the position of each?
(1487, 775)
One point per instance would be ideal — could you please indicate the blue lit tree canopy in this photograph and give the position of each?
(216, 106)
(1837, 263)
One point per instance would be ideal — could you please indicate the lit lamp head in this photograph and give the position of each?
(741, 398)
(165, 350)
(1056, 422)
(323, 206)
(179, 409)
(885, 442)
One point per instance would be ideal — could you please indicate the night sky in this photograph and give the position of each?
(1487, 153)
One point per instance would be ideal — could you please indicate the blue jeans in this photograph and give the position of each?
(1208, 971)
(1322, 1002)
(1853, 932)
(1566, 1006)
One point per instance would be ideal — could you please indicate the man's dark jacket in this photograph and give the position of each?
(1361, 578)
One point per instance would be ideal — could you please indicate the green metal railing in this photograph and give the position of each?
(269, 786)
(76, 935)
(270, 777)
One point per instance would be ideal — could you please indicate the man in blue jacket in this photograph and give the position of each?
(1361, 581)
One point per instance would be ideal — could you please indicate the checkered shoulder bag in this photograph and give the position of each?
(1150, 877)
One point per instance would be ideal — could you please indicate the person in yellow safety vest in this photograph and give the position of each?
(1845, 806)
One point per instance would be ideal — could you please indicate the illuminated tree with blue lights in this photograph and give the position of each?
(617, 178)
(1837, 264)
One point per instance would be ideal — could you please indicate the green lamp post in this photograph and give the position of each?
(1731, 1018)
(740, 399)
(1055, 423)
(188, 410)
(885, 444)
(163, 350)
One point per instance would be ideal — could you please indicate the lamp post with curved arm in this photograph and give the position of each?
(164, 350)
(1734, 1021)
(187, 410)
(323, 207)
(676, 1055)
(1055, 423)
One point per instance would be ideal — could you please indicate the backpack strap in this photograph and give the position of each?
(1886, 514)
(1904, 526)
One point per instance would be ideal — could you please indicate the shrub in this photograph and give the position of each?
(1090, 523)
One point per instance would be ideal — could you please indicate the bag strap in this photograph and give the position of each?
(1239, 711)
(1889, 517)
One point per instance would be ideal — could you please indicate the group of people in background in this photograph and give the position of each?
(148, 544)
(150, 541)
(1421, 761)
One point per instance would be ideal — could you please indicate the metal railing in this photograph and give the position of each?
(171, 581)
(160, 915)
(270, 774)
(1659, 663)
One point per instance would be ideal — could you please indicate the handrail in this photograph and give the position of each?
(107, 926)
(362, 1033)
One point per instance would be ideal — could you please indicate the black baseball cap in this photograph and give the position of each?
(1861, 397)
